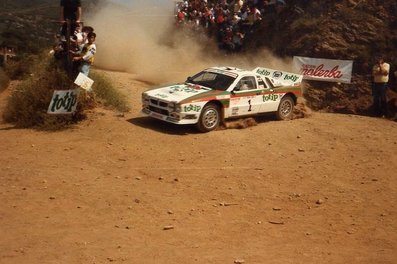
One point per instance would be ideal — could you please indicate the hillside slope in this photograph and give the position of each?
(345, 30)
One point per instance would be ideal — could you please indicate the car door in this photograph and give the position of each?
(270, 97)
(246, 98)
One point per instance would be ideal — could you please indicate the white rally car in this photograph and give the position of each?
(219, 93)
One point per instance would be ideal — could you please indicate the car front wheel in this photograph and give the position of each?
(285, 109)
(209, 118)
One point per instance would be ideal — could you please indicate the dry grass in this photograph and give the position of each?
(106, 93)
(28, 104)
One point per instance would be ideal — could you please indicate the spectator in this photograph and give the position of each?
(238, 40)
(78, 37)
(208, 17)
(86, 57)
(85, 31)
(70, 11)
(238, 5)
(254, 15)
(227, 40)
(180, 16)
(380, 73)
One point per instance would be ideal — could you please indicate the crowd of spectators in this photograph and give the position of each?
(229, 20)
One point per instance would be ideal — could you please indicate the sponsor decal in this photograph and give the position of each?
(291, 77)
(192, 108)
(235, 111)
(264, 72)
(270, 97)
(63, 102)
(186, 89)
(318, 71)
(84, 82)
(277, 74)
(161, 95)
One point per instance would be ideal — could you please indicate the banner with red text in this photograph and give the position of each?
(324, 69)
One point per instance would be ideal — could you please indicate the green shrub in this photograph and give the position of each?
(28, 104)
(4, 80)
(107, 94)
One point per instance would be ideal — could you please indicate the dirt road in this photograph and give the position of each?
(128, 189)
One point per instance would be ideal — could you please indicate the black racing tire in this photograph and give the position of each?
(210, 118)
(285, 109)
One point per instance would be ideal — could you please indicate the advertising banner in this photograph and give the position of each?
(63, 102)
(84, 82)
(324, 69)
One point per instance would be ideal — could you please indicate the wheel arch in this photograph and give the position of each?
(220, 106)
(293, 96)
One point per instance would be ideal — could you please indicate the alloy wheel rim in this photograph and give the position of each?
(210, 118)
(286, 108)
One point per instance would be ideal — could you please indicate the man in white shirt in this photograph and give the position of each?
(380, 74)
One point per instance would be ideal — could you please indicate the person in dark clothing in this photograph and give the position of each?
(380, 73)
(70, 10)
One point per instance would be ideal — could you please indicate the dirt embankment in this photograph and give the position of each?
(128, 189)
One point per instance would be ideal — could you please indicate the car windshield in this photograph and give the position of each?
(213, 80)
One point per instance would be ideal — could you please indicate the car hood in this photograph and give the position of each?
(178, 92)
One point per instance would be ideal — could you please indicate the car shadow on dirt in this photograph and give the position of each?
(173, 129)
(163, 127)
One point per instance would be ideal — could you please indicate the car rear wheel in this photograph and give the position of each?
(285, 108)
(209, 118)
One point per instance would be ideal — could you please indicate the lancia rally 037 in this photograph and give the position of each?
(218, 93)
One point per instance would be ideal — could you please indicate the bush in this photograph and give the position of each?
(29, 102)
(4, 80)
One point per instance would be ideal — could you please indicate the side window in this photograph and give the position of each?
(246, 83)
(261, 83)
(269, 83)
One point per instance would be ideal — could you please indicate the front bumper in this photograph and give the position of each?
(175, 118)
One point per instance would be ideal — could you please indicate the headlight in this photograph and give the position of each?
(174, 107)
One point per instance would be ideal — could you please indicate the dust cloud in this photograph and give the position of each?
(141, 38)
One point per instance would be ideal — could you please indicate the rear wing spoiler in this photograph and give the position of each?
(280, 78)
